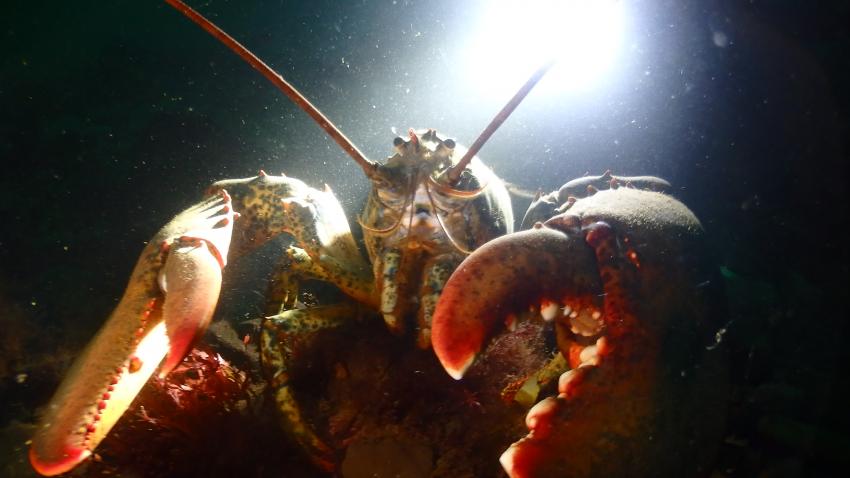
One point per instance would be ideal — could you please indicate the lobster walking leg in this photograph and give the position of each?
(284, 339)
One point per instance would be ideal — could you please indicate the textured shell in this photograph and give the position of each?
(471, 221)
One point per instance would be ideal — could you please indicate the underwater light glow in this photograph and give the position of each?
(514, 37)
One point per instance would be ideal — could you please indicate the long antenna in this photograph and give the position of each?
(454, 174)
(277, 80)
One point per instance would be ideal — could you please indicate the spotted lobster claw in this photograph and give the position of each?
(623, 277)
(168, 303)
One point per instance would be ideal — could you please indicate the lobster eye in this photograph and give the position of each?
(398, 141)
(449, 143)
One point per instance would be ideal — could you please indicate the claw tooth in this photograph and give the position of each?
(589, 356)
(524, 458)
(539, 418)
(601, 346)
(564, 381)
(548, 310)
(507, 461)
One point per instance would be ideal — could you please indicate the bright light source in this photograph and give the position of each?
(515, 37)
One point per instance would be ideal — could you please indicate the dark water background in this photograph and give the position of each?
(114, 116)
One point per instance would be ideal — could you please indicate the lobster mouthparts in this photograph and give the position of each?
(168, 303)
(623, 276)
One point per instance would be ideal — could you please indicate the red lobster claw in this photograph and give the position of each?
(623, 276)
(168, 303)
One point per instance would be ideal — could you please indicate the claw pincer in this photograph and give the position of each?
(168, 303)
(623, 268)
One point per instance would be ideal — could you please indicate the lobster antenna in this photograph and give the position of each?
(277, 80)
(454, 173)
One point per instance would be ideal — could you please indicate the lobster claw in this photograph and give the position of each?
(191, 282)
(168, 303)
(624, 278)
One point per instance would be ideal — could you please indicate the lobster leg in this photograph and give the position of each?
(167, 304)
(284, 339)
(323, 250)
(434, 276)
(324, 245)
(392, 309)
